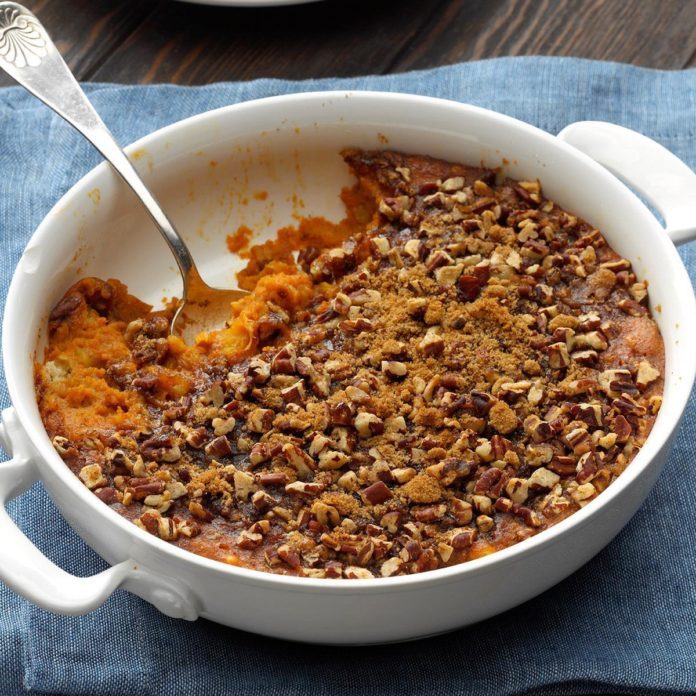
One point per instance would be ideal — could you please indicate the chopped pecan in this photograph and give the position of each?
(517, 489)
(244, 484)
(284, 360)
(543, 478)
(558, 355)
(160, 447)
(329, 460)
(108, 495)
(376, 493)
(628, 406)
(462, 538)
(92, 476)
(562, 465)
(304, 488)
(249, 540)
(260, 420)
(356, 326)
(590, 413)
(140, 491)
(538, 429)
(390, 567)
(618, 381)
(294, 394)
(586, 467)
(368, 424)
(289, 556)
(432, 343)
(646, 374)
(340, 413)
(437, 259)
(394, 369)
(469, 286)
(299, 460)
(219, 447)
(273, 479)
(67, 306)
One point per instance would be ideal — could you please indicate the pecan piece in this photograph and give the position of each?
(65, 307)
(586, 467)
(163, 527)
(628, 406)
(299, 460)
(249, 540)
(356, 326)
(140, 491)
(618, 381)
(558, 355)
(562, 465)
(462, 538)
(542, 478)
(294, 394)
(218, 448)
(273, 479)
(92, 476)
(368, 425)
(390, 567)
(487, 480)
(432, 343)
(329, 460)
(437, 259)
(646, 374)
(469, 286)
(340, 413)
(376, 493)
(289, 556)
(161, 448)
(244, 484)
(304, 488)
(284, 360)
(260, 420)
(263, 451)
(108, 495)
(394, 369)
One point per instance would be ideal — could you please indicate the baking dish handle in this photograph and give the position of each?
(22, 566)
(25, 569)
(658, 175)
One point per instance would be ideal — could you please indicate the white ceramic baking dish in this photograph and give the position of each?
(205, 171)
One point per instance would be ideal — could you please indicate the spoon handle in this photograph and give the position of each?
(29, 56)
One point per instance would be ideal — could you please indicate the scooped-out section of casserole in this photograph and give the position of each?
(455, 367)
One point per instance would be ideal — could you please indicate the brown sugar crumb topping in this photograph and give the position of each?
(470, 366)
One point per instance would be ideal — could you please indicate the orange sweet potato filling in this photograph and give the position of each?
(284, 288)
(276, 255)
(89, 349)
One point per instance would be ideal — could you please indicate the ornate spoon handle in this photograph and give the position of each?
(29, 56)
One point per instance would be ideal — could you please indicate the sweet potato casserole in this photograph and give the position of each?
(457, 366)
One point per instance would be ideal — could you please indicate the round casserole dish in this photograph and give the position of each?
(205, 170)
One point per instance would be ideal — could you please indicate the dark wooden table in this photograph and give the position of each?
(142, 41)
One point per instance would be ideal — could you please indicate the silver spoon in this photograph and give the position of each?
(29, 56)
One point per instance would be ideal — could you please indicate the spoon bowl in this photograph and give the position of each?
(202, 308)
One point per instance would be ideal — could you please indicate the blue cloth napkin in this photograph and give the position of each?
(624, 623)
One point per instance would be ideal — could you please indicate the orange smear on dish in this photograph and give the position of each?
(239, 240)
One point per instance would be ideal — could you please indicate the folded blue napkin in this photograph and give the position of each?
(625, 623)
